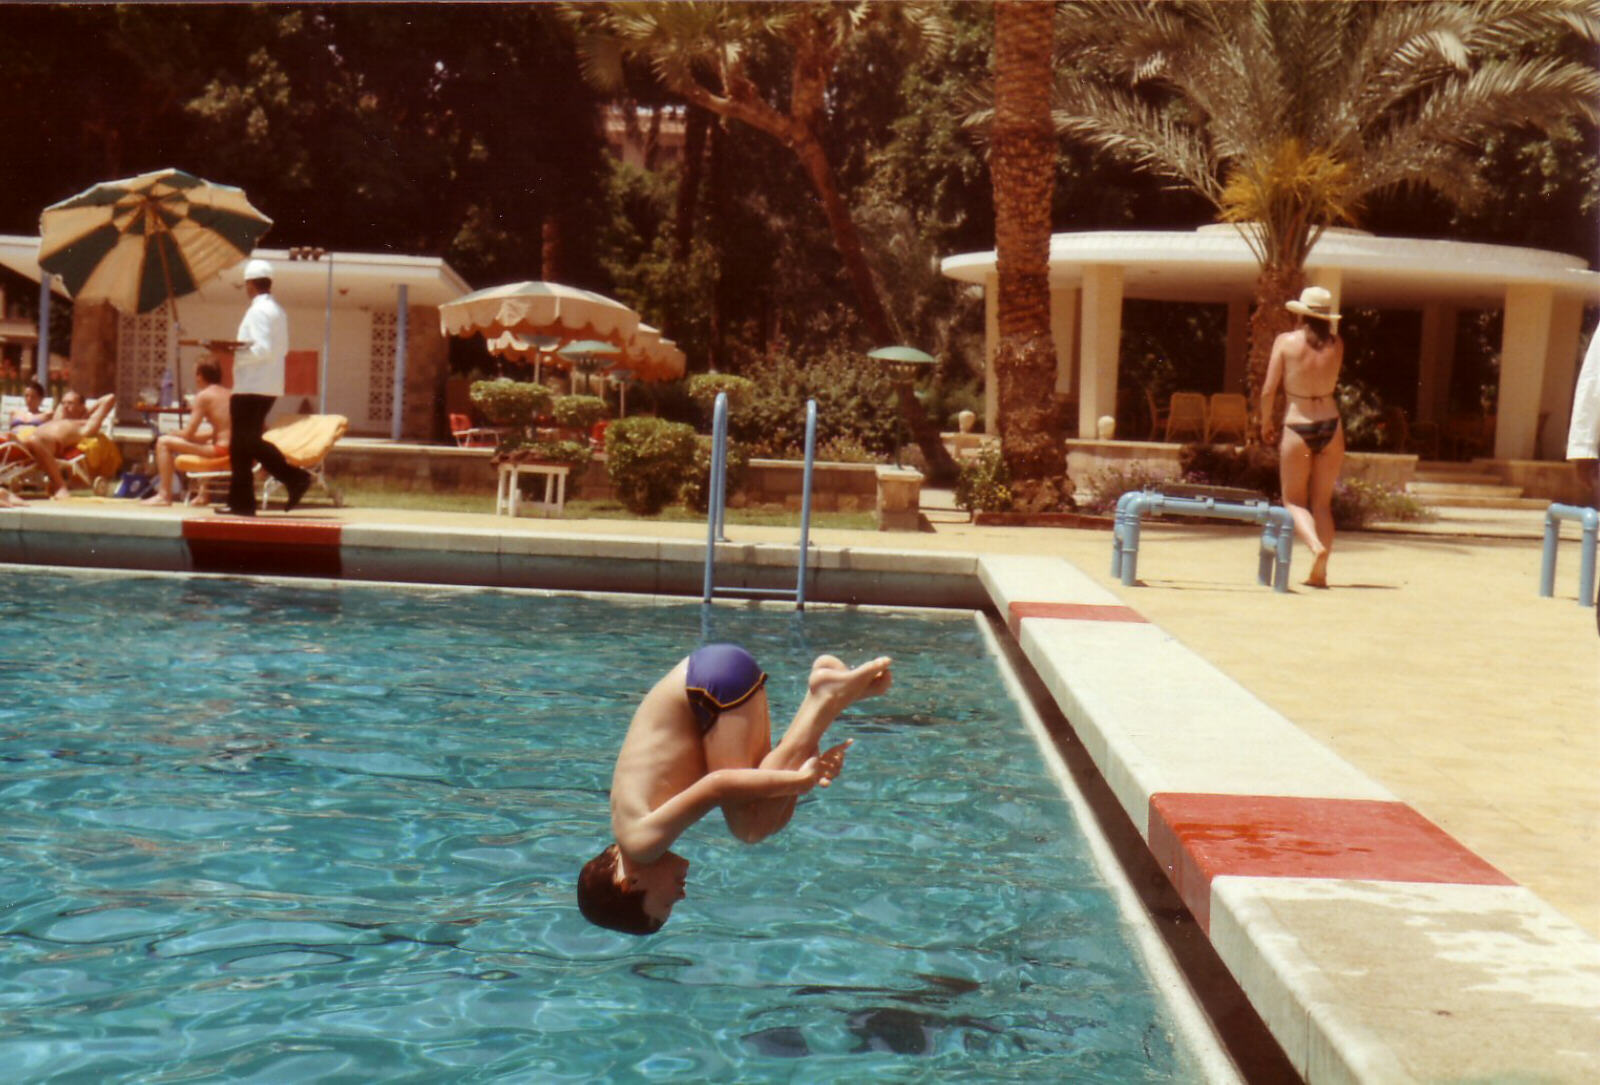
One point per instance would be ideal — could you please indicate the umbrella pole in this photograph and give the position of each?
(177, 366)
(172, 308)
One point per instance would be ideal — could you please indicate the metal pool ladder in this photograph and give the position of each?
(716, 510)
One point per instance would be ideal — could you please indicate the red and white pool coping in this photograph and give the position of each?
(1375, 946)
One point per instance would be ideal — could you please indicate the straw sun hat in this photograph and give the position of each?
(1315, 301)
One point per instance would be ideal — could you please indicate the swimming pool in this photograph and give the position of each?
(276, 832)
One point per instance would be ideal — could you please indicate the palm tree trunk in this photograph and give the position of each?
(1275, 285)
(1022, 163)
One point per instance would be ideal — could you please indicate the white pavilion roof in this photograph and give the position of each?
(1214, 264)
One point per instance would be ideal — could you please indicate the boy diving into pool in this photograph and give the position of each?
(702, 739)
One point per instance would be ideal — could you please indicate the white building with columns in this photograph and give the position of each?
(1543, 295)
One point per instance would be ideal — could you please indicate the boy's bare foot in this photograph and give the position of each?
(9, 500)
(61, 494)
(832, 679)
(1318, 577)
(157, 499)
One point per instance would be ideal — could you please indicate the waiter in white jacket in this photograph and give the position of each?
(1583, 436)
(257, 383)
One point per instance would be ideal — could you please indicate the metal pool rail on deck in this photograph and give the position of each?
(716, 510)
(1589, 519)
(1277, 533)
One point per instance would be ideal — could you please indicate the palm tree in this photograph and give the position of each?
(1022, 155)
(708, 52)
(1287, 115)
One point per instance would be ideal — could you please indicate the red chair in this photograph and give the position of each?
(469, 436)
(597, 434)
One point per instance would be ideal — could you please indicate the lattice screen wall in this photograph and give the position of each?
(145, 349)
(380, 376)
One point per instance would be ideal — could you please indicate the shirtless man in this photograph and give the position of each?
(210, 406)
(1305, 363)
(73, 422)
(702, 739)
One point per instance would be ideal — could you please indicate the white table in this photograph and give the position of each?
(508, 497)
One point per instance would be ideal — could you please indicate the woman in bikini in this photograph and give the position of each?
(1305, 364)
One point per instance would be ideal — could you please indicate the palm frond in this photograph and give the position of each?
(1132, 130)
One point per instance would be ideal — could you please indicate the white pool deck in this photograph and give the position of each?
(1380, 801)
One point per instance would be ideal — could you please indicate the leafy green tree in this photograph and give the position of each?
(767, 66)
(1286, 117)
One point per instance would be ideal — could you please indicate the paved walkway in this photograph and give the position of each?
(1431, 663)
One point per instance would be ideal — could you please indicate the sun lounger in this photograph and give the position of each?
(18, 470)
(305, 441)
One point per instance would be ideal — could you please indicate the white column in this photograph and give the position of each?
(1524, 347)
(1560, 376)
(1435, 362)
(1100, 338)
(1064, 332)
(41, 364)
(1237, 348)
(991, 345)
(401, 335)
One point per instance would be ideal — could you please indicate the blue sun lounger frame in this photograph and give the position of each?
(1277, 531)
(1589, 519)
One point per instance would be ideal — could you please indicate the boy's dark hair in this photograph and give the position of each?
(606, 904)
(35, 386)
(211, 371)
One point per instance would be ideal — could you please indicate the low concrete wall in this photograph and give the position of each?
(835, 487)
(1085, 459)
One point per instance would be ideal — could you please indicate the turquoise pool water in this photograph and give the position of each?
(279, 833)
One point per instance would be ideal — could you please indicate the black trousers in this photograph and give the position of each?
(248, 416)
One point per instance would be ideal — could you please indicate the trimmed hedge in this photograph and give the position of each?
(510, 403)
(647, 460)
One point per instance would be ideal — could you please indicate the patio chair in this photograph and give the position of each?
(1158, 415)
(305, 441)
(1228, 415)
(469, 436)
(1186, 414)
(18, 471)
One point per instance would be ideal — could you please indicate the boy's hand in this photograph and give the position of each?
(820, 770)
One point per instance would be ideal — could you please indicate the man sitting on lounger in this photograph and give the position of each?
(73, 423)
(701, 739)
(210, 407)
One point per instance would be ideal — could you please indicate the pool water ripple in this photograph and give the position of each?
(268, 832)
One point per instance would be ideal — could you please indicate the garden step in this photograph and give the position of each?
(1481, 502)
(1457, 478)
(1422, 488)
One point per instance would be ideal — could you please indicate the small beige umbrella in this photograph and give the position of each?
(539, 308)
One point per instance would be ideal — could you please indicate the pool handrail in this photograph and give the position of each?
(1588, 520)
(1277, 530)
(716, 509)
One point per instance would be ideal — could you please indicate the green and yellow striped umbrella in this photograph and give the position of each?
(146, 241)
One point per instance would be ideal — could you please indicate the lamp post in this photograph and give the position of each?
(315, 254)
(904, 365)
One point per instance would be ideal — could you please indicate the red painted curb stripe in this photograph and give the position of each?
(246, 544)
(1075, 612)
(249, 529)
(1199, 837)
